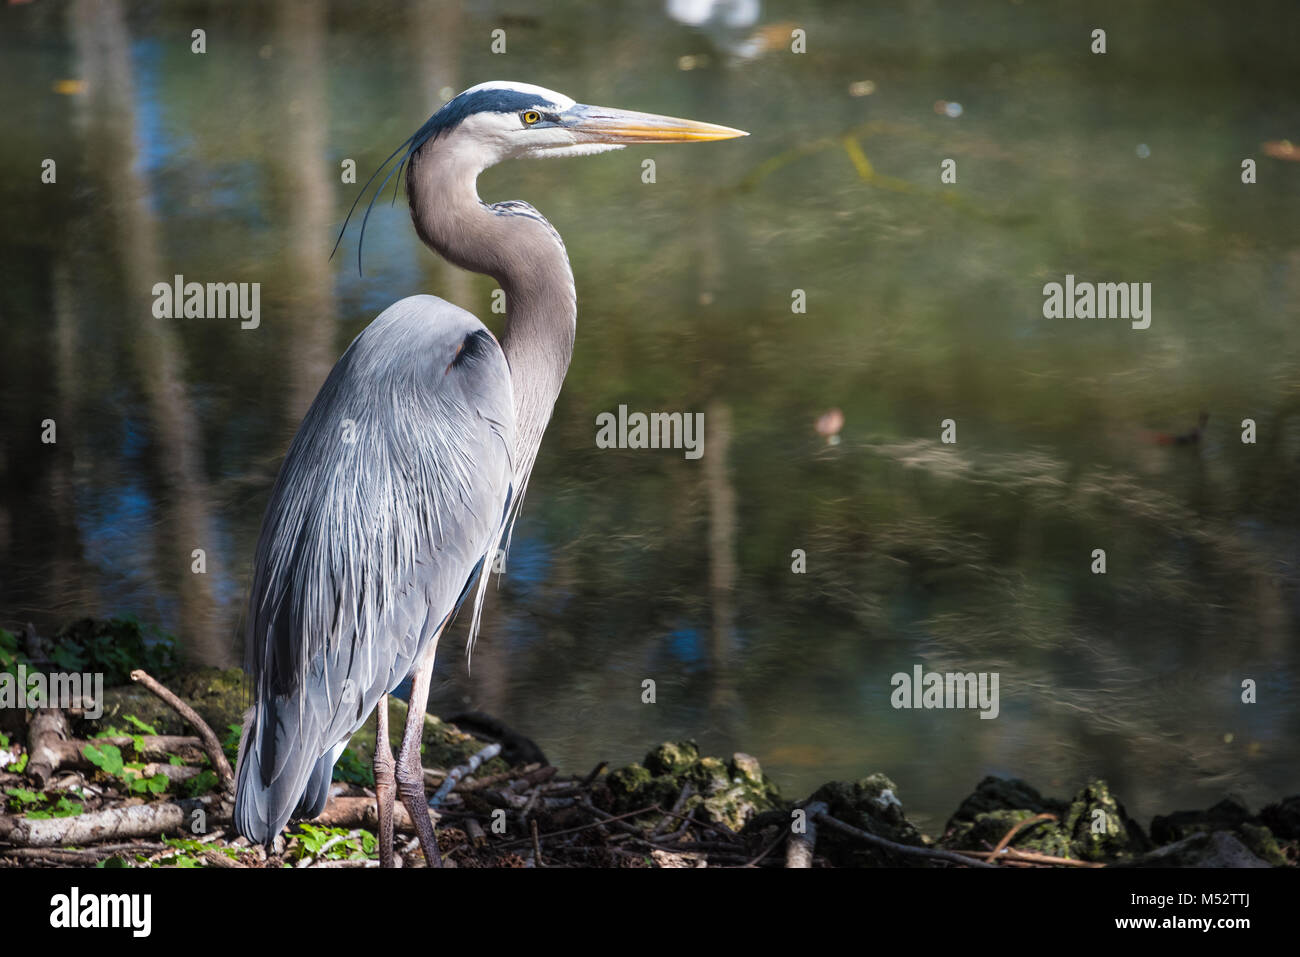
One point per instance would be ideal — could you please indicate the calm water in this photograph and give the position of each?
(924, 302)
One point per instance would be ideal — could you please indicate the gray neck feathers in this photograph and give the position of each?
(516, 246)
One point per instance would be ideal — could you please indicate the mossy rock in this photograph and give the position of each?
(870, 804)
(1004, 794)
(729, 792)
(217, 695)
(443, 745)
(1093, 826)
(1099, 828)
(989, 827)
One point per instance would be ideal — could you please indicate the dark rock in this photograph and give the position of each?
(872, 805)
(1217, 849)
(1224, 816)
(1283, 818)
(1229, 815)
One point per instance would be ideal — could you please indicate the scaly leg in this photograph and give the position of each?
(385, 784)
(410, 771)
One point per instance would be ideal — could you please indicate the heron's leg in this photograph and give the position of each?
(385, 783)
(410, 772)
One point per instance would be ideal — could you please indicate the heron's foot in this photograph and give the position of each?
(410, 787)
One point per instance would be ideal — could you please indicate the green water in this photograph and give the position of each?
(924, 303)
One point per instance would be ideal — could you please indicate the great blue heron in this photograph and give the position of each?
(409, 467)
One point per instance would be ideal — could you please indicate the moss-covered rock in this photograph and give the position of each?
(989, 827)
(729, 792)
(1093, 826)
(217, 695)
(442, 745)
(1005, 794)
(1099, 828)
(870, 804)
(995, 807)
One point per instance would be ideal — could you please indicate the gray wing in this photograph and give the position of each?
(393, 491)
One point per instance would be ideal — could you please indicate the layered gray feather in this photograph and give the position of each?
(391, 495)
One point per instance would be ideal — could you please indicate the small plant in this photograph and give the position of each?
(114, 647)
(345, 845)
(201, 783)
(108, 758)
(11, 655)
(230, 744)
(38, 806)
(190, 853)
(353, 770)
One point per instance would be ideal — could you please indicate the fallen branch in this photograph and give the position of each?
(1030, 857)
(904, 849)
(210, 743)
(71, 753)
(352, 812)
(49, 728)
(93, 827)
(799, 850)
(456, 773)
(88, 856)
(1006, 838)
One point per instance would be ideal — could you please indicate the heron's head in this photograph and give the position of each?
(501, 120)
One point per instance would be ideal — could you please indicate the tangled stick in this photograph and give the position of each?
(210, 743)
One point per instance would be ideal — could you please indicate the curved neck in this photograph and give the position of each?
(516, 246)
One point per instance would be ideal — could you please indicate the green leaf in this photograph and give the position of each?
(107, 757)
(66, 808)
(19, 798)
(201, 783)
(146, 728)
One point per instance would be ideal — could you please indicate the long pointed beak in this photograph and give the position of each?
(599, 124)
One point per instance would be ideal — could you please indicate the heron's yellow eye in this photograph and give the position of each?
(531, 117)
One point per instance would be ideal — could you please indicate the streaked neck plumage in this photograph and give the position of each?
(516, 246)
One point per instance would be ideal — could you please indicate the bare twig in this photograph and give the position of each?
(1006, 838)
(210, 743)
(799, 850)
(904, 849)
(85, 856)
(595, 773)
(469, 767)
(1031, 857)
(537, 848)
(49, 728)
